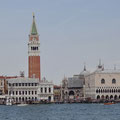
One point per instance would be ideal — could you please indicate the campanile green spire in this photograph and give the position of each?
(34, 29)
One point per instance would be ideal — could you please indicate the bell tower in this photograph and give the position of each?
(34, 52)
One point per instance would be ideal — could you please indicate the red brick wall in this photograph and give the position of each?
(34, 66)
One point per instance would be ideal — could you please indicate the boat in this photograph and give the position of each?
(22, 104)
(109, 103)
(9, 101)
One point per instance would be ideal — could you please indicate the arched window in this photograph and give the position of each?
(110, 90)
(111, 97)
(105, 91)
(115, 97)
(102, 97)
(118, 90)
(113, 81)
(107, 97)
(114, 90)
(97, 91)
(103, 81)
(98, 97)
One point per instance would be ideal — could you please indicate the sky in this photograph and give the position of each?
(72, 32)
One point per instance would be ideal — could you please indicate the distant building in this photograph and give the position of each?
(73, 87)
(57, 93)
(64, 90)
(30, 90)
(103, 84)
(45, 91)
(3, 84)
(23, 89)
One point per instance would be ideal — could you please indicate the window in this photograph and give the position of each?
(16, 84)
(22, 84)
(41, 90)
(26, 92)
(32, 92)
(32, 98)
(19, 92)
(35, 92)
(49, 90)
(19, 84)
(103, 81)
(34, 48)
(35, 98)
(25, 84)
(118, 90)
(29, 92)
(23, 92)
(45, 89)
(16, 92)
(113, 81)
(97, 91)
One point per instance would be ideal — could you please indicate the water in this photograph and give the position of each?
(61, 112)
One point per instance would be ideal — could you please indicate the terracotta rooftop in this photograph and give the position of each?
(7, 77)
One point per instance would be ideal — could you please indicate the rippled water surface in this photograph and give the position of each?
(61, 112)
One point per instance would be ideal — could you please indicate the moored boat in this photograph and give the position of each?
(22, 104)
(109, 103)
(9, 101)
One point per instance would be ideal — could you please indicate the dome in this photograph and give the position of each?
(84, 72)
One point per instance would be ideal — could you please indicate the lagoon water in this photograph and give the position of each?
(61, 112)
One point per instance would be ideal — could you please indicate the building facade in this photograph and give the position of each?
(23, 89)
(30, 90)
(73, 87)
(3, 84)
(45, 91)
(57, 93)
(103, 84)
(34, 53)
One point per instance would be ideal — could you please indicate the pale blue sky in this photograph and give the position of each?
(71, 32)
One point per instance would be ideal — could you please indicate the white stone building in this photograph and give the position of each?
(103, 84)
(30, 89)
(45, 91)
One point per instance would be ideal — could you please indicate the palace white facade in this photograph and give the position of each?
(103, 84)
(30, 89)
